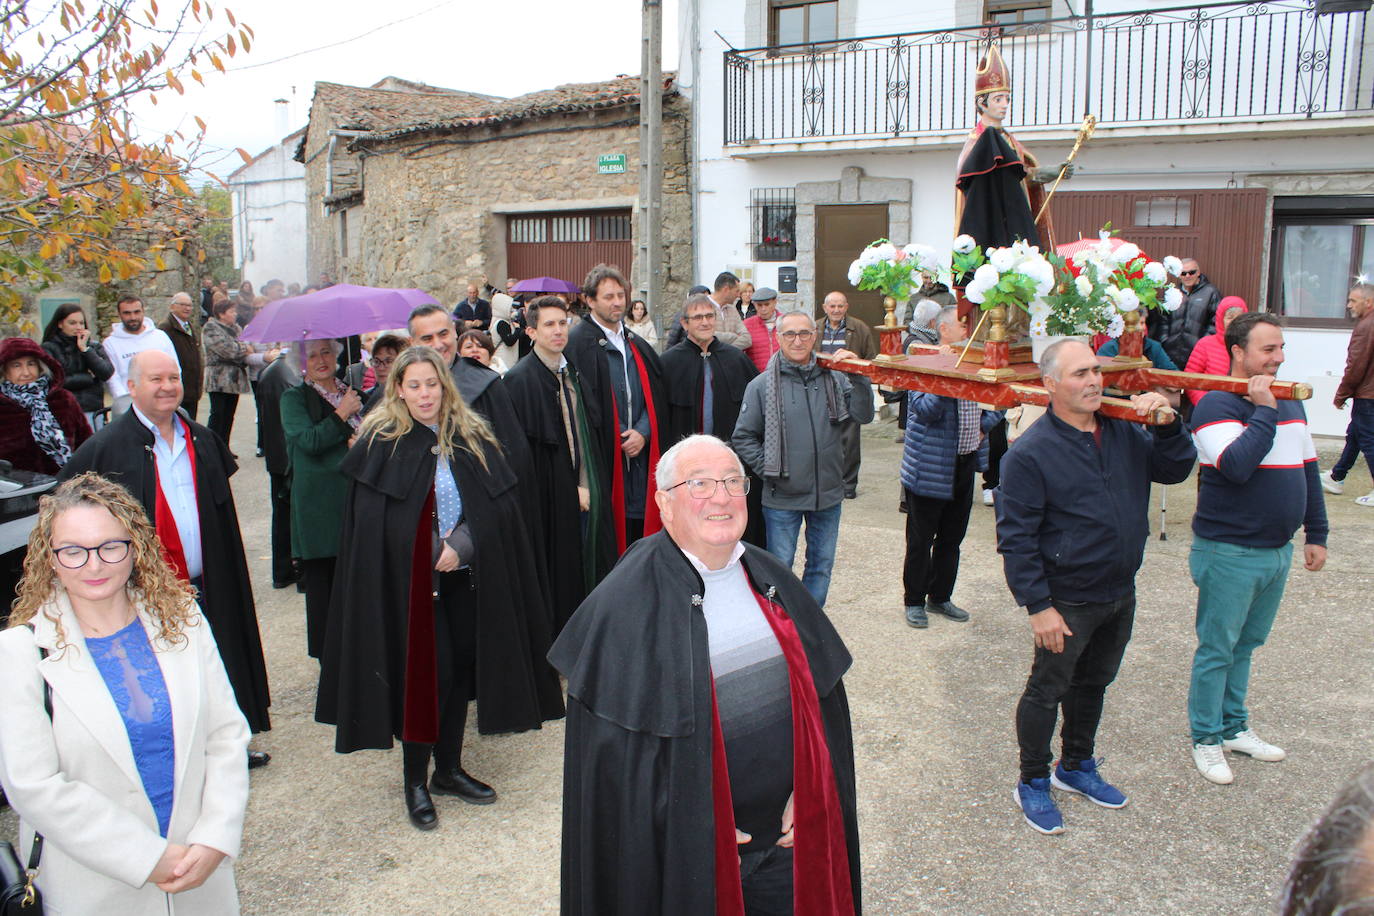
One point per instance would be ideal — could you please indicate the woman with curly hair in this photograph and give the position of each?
(120, 739)
(433, 604)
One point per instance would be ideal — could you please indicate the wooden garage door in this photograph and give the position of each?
(1223, 230)
(567, 245)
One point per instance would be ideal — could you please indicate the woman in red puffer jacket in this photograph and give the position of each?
(1209, 356)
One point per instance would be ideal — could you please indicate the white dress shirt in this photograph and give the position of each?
(177, 479)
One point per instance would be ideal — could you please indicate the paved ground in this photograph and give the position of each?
(936, 753)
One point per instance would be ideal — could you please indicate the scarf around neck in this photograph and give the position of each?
(333, 396)
(33, 397)
(774, 429)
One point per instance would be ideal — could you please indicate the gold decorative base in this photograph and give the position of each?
(996, 375)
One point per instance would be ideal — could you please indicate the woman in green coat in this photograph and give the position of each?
(319, 419)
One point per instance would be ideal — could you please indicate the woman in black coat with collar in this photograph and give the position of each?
(83, 361)
(433, 604)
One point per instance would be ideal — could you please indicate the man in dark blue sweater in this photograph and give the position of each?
(1259, 481)
(1072, 521)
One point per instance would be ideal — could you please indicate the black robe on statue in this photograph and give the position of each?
(123, 452)
(996, 206)
(363, 670)
(731, 371)
(638, 822)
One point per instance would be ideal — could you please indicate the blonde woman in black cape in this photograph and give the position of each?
(431, 598)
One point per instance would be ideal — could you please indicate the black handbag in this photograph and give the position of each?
(19, 895)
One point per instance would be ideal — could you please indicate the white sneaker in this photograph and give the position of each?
(1366, 500)
(987, 497)
(1332, 485)
(1210, 760)
(1252, 745)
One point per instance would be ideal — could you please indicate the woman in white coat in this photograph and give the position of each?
(138, 782)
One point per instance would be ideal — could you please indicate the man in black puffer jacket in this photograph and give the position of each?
(1180, 330)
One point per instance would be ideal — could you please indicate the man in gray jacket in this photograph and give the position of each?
(788, 433)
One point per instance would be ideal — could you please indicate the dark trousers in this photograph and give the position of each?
(190, 405)
(997, 447)
(849, 441)
(455, 639)
(257, 420)
(283, 571)
(318, 578)
(1349, 454)
(223, 405)
(1076, 680)
(934, 530)
(1360, 435)
(766, 879)
(634, 530)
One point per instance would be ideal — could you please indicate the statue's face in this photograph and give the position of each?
(997, 105)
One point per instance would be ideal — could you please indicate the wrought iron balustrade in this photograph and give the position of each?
(1264, 60)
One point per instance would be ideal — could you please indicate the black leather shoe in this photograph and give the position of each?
(421, 807)
(916, 616)
(948, 609)
(258, 759)
(458, 782)
(285, 583)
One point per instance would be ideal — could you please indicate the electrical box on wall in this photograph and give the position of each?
(787, 279)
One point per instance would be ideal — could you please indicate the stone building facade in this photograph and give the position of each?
(418, 187)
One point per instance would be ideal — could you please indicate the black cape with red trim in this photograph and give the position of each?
(122, 452)
(363, 669)
(638, 826)
(996, 210)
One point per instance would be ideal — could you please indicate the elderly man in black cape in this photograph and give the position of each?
(709, 762)
(621, 374)
(704, 381)
(579, 548)
(125, 451)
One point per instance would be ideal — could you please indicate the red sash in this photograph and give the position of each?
(651, 520)
(821, 882)
(420, 713)
(164, 522)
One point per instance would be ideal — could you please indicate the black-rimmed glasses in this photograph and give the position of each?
(74, 557)
(705, 487)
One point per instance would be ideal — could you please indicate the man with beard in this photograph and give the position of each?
(134, 334)
(623, 380)
(704, 380)
(180, 472)
(550, 400)
(709, 762)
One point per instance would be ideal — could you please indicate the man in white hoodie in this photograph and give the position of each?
(134, 334)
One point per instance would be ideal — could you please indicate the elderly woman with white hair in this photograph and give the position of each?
(319, 419)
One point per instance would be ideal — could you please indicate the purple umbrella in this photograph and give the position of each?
(336, 311)
(545, 285)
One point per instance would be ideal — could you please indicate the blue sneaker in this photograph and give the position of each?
(1037, 805)
(1085, 781)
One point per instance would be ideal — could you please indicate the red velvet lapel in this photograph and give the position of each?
(164, 522)
(420, 718)
(652, 523)
(617, 481)
(729, 895)
(820, 865)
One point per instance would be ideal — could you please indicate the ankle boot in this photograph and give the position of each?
(415, 759)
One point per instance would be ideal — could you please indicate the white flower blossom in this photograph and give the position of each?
(1154, 272)
(1039, 270)
(1003, 259)
(1126, 253)
(1084, 286)
(870, 255)
(856, 273)
(1039, 309)
(1116, 326)
(886, 251)
(1173, 298)
(964, 244)
(1125, 299)
(1173, 265)
(1039, 327)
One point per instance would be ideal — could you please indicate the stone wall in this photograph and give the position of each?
(435, 207)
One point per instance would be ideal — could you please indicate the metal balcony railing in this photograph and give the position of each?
(1264, 60)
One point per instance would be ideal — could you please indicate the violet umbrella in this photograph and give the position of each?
(336, 311)
(545, 285)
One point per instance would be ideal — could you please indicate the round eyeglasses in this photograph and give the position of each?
(705, 487)
(74, 557)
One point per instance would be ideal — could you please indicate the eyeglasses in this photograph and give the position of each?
(797, 335)
(704, 316)
(75, 557)
(705, 487)
(1187, 273)
(379, 363)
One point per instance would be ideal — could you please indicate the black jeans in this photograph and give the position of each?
(849, 441)
(318, 578)
(934, 530)
(223, 404)
(1075, 679)
(283, 571)
(997, 447)
(766, 878)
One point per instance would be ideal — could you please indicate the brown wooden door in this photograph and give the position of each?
(567, 245)
(842, 231)
(1222, 229)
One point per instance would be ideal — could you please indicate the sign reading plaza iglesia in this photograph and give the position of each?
(610, 164)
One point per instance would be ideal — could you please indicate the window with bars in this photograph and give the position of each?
(531, 230)
(615, 228)
(774, 216)
(1164, 211)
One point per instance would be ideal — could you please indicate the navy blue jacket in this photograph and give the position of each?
(1072, 518)
(932, 444)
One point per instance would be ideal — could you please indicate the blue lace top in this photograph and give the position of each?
(131, 672)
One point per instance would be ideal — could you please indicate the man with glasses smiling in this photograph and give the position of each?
(1180, 330)
(789, 434)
